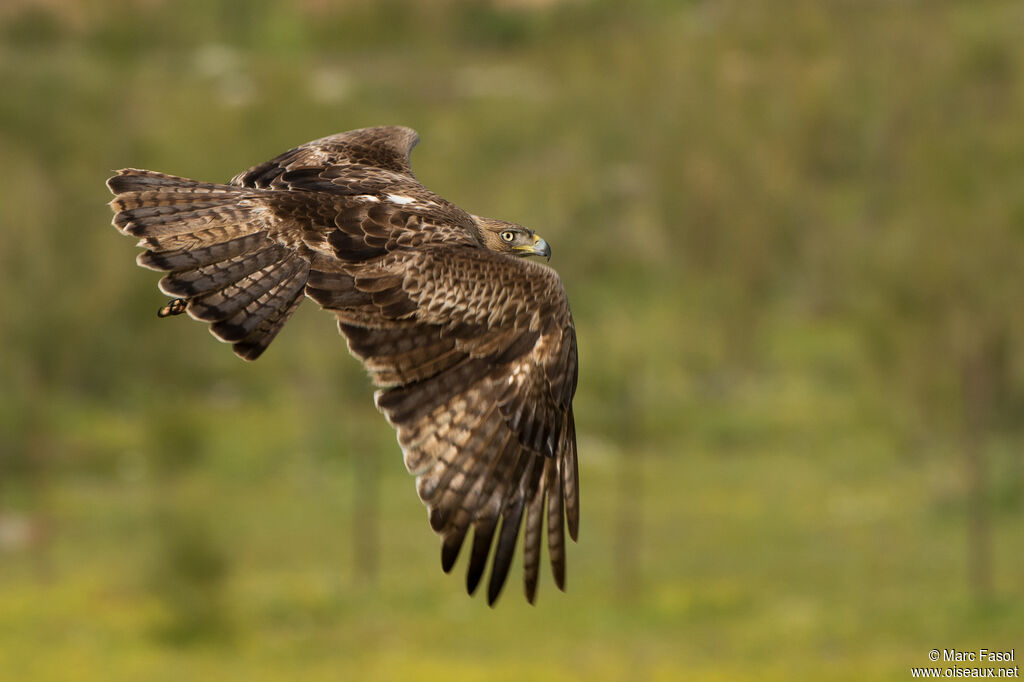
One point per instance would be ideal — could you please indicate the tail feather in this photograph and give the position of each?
(252, 346)
(249, 319)
(138, 180)
(214, 242)
(168, 220)
(220, 274)
(223, 303)
(181, 259)
(190, 241)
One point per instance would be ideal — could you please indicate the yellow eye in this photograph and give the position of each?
(508, 236)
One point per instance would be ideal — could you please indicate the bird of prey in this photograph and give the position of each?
(472, 347)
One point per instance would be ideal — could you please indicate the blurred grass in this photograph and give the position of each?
(785, 231)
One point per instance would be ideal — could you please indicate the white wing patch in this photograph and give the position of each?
(399, 199)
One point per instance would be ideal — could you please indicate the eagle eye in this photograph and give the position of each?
(508, 236)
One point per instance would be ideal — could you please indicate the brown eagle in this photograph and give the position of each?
(473, 347)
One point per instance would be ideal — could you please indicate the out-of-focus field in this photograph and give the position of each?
(793, 237)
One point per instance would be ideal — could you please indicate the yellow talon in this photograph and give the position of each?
(175, 307)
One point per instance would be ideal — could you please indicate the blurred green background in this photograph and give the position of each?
(793, 237)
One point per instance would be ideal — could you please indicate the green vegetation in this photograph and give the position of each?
(793, 236)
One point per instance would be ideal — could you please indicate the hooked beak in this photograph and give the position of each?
(538, 248)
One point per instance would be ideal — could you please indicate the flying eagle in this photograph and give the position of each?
(473, 348)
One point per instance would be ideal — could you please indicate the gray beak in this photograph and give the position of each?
(541, 248)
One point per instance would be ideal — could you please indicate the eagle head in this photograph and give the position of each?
(511, 238)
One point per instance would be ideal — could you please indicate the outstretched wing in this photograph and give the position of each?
(365, 158)
(476, 356)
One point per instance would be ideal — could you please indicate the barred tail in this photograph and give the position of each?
(213, 242)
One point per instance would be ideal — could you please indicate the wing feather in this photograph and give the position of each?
(556, 521)
(483, 537)
(532, 536)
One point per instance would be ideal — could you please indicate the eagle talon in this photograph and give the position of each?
(174, 307)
